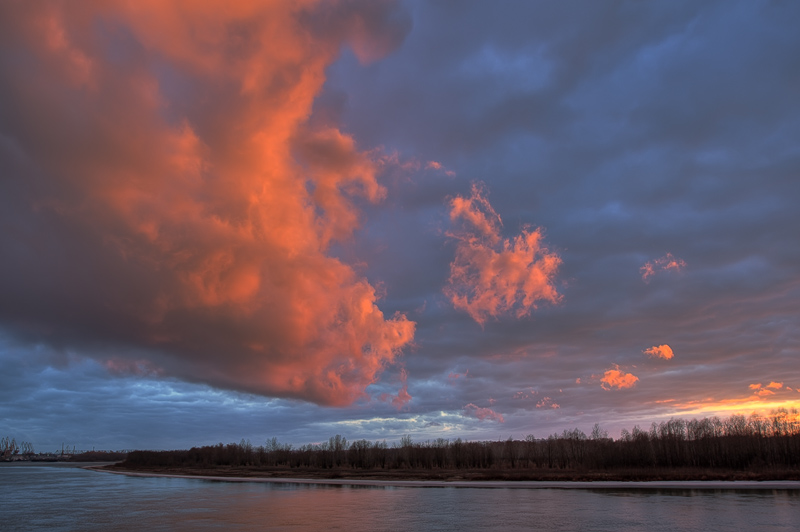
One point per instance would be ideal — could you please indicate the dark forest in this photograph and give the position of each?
(767, 447)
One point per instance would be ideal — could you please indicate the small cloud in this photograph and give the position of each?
(578, 380)
(547, 402)
(755, 386)
(433, 165)
(660, 351)
(666, 263)
(616, 378)
(763, 392)
(473, 410)
(775, 385)
(524, 394)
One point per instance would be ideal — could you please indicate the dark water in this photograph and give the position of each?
(65, 497)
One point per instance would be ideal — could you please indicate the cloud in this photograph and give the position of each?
(769, 389)
(403, 397)
(660, 351)
(174, 207)
(473, 410)
(492, 275)
(615, 378)
(547, 402)
(455, 376)
(662, 264)
(433, 165)
(524, 394)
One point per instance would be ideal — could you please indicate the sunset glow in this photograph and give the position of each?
(225, 220)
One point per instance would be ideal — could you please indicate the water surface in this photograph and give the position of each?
(65, 497)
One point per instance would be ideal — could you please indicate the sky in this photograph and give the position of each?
(442, 219)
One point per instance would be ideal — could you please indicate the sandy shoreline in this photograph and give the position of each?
(523, 484)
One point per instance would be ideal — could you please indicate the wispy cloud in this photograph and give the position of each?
(661, 264)
(472, 410)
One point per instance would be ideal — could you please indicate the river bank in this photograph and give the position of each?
(479, 478)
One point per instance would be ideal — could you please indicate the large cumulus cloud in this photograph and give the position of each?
(166, 199)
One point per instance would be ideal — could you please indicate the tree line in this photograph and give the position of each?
(735, 443)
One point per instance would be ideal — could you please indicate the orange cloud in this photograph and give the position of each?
(185, 165)
(615, 378)
(492, 275)
(665, 263)
(473, 410)
(547, 402)
(769, 389)
(660, 351)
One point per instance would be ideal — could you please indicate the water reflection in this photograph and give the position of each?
(62, 497)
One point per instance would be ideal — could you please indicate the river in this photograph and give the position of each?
(65, 497)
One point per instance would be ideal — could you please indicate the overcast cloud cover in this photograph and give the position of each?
(443, 219)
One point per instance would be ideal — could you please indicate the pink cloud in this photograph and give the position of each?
(775, 385)
(473, 410)
(492, 275)
(524, 394)
(660, 351)
(547, 402)
(211, 212)
(665, 263)
(433, 165)
(616, 378)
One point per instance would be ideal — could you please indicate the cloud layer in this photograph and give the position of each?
(345, 203)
